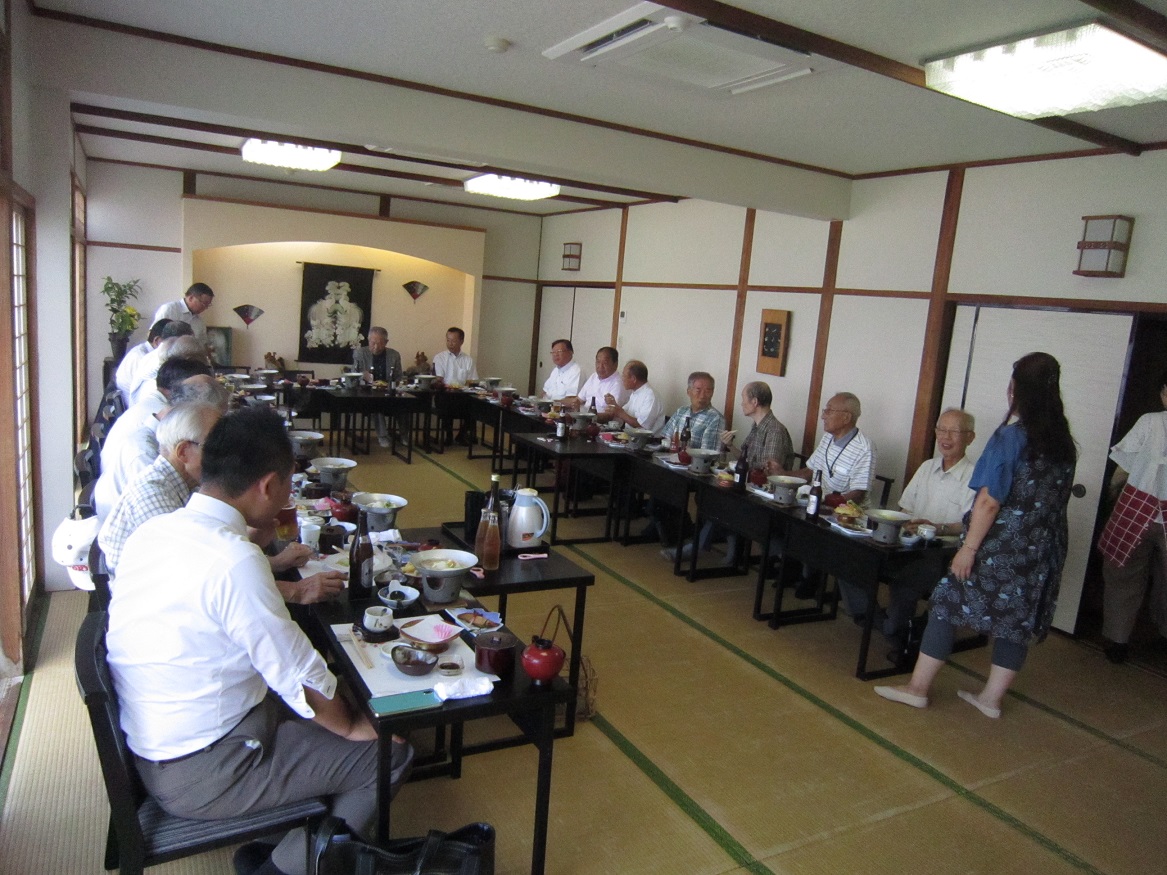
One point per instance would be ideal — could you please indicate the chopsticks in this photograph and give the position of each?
(357, 646)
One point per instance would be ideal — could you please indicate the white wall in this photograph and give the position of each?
(688, 242)
(1020, 224)
(889, 242)
(788, 251)
(599, 231)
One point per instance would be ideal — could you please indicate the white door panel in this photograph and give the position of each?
(591, 327)
(554, 323)
(1092, 350)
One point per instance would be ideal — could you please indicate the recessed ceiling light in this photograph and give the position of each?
(289, 155)
(510, 187)
(1079, 69)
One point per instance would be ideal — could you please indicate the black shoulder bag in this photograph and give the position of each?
(466, 851)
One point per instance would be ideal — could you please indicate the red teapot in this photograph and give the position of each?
(543, 659)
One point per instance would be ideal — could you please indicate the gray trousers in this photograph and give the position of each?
(272, 757)
(1123, 594)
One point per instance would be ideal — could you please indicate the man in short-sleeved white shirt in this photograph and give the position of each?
(938, 494)
(199, 635)
(453, 365)
(563, 381)
(845, 456)
(604, 382)
(643, 408)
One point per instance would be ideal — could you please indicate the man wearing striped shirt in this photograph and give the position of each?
(845, 456)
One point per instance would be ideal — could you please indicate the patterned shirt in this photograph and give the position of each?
(706, 427)
(1133, 515)
(767, 440)
(847, 465)
(157, 490)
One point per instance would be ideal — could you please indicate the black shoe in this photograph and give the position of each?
(249, 857)
(1116, 653)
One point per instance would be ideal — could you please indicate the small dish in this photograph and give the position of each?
(475, 620)
(908, 540)
(407, 596)
(412, 661)
(430, 632)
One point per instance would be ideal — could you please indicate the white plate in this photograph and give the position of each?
(866, 533)
(339, 562)
(430, 629)
(455, 614)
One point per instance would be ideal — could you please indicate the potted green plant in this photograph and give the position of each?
(123, 318)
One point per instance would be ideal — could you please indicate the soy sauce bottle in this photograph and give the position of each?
(815, 498)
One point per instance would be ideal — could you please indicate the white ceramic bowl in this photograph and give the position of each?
(412, 594)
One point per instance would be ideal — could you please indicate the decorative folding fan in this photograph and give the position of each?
(415, 289)
(248, 313)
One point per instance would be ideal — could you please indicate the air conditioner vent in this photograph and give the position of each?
(654, 41)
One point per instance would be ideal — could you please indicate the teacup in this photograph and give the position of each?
(310, 535)
(378, 618)
(925, 531)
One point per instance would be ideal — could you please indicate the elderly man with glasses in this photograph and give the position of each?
(845, 456)
(938, 495)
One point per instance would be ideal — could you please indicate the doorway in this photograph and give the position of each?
(1147, 359)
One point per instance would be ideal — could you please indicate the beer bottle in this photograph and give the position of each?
(592, 410)
(491, 506)
(360, 561)
(741, 472)
(815, 499)
(687, 433)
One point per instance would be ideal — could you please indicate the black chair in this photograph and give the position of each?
(97, 433)
(141, 834)
(86, 506)
(99, 574)
(87, 465)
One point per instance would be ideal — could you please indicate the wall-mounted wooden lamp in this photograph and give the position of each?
(572, 254)
(1102, 251)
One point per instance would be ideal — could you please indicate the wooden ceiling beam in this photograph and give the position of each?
(86, 109)
(1134, 20)
(790, 37)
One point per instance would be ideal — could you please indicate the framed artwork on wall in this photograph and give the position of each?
(219, 340)
(773, 342)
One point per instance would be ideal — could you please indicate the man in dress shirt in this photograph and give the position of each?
(563, 381)
(604, 382)
(845, 456)
(165, 485)
(124, 376)
(189, 309)
(455, 366)
(705, 423)
(131, 445)
(377, 362)
(177, 342)
(938, 494)
(202, 651)
(643, 409)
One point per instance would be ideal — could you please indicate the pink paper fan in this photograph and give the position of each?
(248, 313)
(415, 289)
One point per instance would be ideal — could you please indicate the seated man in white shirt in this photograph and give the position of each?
(455, 366)
(209, 667)
(174, 344)
(938, 494)
(845, 456)
(130, 446)
(124, 376)
(604, 382)
(643, 409)
(564, 379)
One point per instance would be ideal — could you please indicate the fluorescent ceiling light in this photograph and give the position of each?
(1081, 69)
(510, 187)
(289, 155)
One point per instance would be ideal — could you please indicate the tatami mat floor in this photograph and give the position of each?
(720, 746)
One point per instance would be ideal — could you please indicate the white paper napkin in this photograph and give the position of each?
(463, 688)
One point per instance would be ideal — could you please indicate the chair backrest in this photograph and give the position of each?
(122, 784)
(292, 375)
(97, 433)
(86, 464)
(99, 574)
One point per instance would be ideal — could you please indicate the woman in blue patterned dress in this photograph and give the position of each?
(1003, 581)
